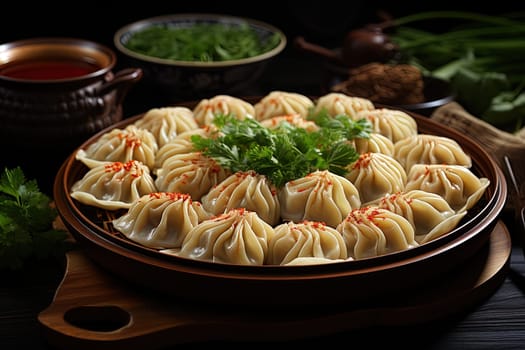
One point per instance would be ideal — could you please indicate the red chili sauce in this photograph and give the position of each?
(48, 70)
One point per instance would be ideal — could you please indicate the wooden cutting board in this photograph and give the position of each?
(94, 309)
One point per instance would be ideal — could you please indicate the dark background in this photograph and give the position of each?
(323, 21)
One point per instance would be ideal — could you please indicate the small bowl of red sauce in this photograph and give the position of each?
(54, 59)
(54, 92)
(49, 69)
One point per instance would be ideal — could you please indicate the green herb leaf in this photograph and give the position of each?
(26, 219)
(506, 108)
(476, 90)
(286, 152)
(342, 124)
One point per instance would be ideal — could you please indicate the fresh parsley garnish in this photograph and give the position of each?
(342, 123)
(286, 152)
(26, 222)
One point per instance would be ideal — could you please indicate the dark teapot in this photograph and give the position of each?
(359, 46)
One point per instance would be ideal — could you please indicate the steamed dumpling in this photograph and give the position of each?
(429, 149)
(167, 122)
(161, 219)
(114, 185)
(376, 174)
(177, 146)
(293, 119)
(121, 145)
(429, 214)
(392, 123)
(319, 196)
(336, 103)
(192, 173)
(371, 231)
(206, 110)
(306, 239)
(181, 144)
(279, 103)
(376, 143)
(237, 237)
(244, 190)
(458, 185)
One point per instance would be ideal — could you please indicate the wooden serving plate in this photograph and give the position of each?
(278, 287)
(92, 308)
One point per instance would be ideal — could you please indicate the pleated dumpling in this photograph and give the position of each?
(336, 103)
(177, 146)
(430, 149)
(429, 213)
(307, 239)
(244, 190)
(181, 144)
(370, 231)
(237, 237)
(279, 103)
(376, 143)
(192, 173)
(161, 219)
(293, 119)
(114, 185)
(167, 122)
(206, 110)
(376, 174)
(457, 184)
(319, 196)
(392, 123)
(121, 145)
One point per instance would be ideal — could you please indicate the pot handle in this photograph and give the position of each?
(122, 81)
(320, 51)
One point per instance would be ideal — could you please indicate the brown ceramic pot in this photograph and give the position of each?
(54, 93)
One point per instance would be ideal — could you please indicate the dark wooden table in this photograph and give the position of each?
(497, 322)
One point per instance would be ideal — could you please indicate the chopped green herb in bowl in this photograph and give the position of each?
(202, 42)
(194, 56)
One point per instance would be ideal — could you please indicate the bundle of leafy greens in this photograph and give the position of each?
(286, 152)
(481, 56)
(26, 222)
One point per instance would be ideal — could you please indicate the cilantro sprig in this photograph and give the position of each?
(286, 152)
(26, 222)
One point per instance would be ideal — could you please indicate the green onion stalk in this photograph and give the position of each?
(480, 55)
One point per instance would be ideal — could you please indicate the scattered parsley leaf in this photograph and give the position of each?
(26, 222)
